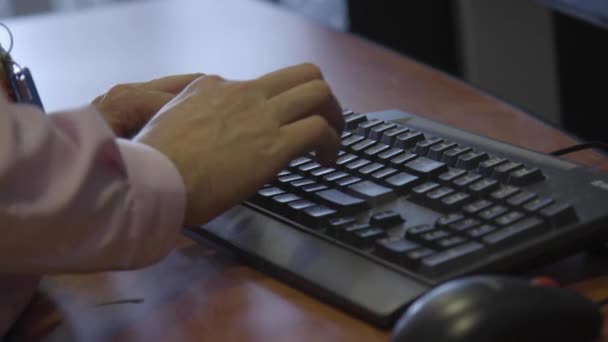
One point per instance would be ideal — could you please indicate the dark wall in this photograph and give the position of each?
(428, 32)
(424, 30)
(582, 54)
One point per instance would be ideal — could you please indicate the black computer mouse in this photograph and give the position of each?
(497, 309)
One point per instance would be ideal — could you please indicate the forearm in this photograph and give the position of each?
(75, 199)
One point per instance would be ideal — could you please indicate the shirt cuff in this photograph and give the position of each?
(159, 192)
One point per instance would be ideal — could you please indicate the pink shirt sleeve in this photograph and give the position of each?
(75, 198)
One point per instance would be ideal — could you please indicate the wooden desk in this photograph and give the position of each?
(200, 292)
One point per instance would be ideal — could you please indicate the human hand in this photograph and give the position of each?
(128, 107)
(228, 138)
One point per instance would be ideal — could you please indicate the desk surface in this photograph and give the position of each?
(201, 292)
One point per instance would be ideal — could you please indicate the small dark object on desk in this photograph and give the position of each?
(497, 309)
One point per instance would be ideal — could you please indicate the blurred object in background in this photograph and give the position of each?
(539, 55)
(330, 12)
(10, 8)
(592, 11)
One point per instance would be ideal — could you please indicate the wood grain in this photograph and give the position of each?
(200, 293)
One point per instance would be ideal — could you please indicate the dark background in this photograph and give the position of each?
(427, 31)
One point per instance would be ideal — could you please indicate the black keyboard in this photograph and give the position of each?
(411, 203)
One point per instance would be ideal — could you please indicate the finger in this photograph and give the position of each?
(311, 133)
(313, 97)
(147, 102)
(132, 108)
(170, 84)
(281, 80)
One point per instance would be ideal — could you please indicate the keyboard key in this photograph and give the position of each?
(521, 198)
(363, 145)
(414, 258)
(389, 136)
(394, 250)
(300, 205)
(402, 181)
(451, 258)
(483, 186)
(284, 173)
(447, 220)
(481, 231)
(389, 154)
(465, 224)
(285, 198)
(386, 219)
(450, 242)
(438, 193)
(267, 193)
(425, 167)
(288, 179)
(537, 204)
(408, 139)
(434, 235)
(353, 139)
(345, 159)
(503, 193)
(523, 177)
(348, 181)
(466, 180)
(364, 127)
(322, 172)
(470, 160)
(299, 161)
(335, 176)
(413, 233)
(375, 150)
(346, 233)
(493, 212)
(316, 217)
(420, 190)
(369, 169)
(436, 151)
(381, 174)
(509, 218)
(309, 189)
(377, 131)
(520, 229)
(454, 201)
(403, 158)
(422, 147)
(559, 214)
(357, 164)
(336, 223)
(370, 190)
(309, 167)
(487, 167)
(299, 184)
(345, 134)
(451, 156)
(365, 238)
(341, 201)
(477, 206)
(451, 174)
(502, 171)
(353, 120)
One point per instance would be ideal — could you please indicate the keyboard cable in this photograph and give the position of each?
(580, 147)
